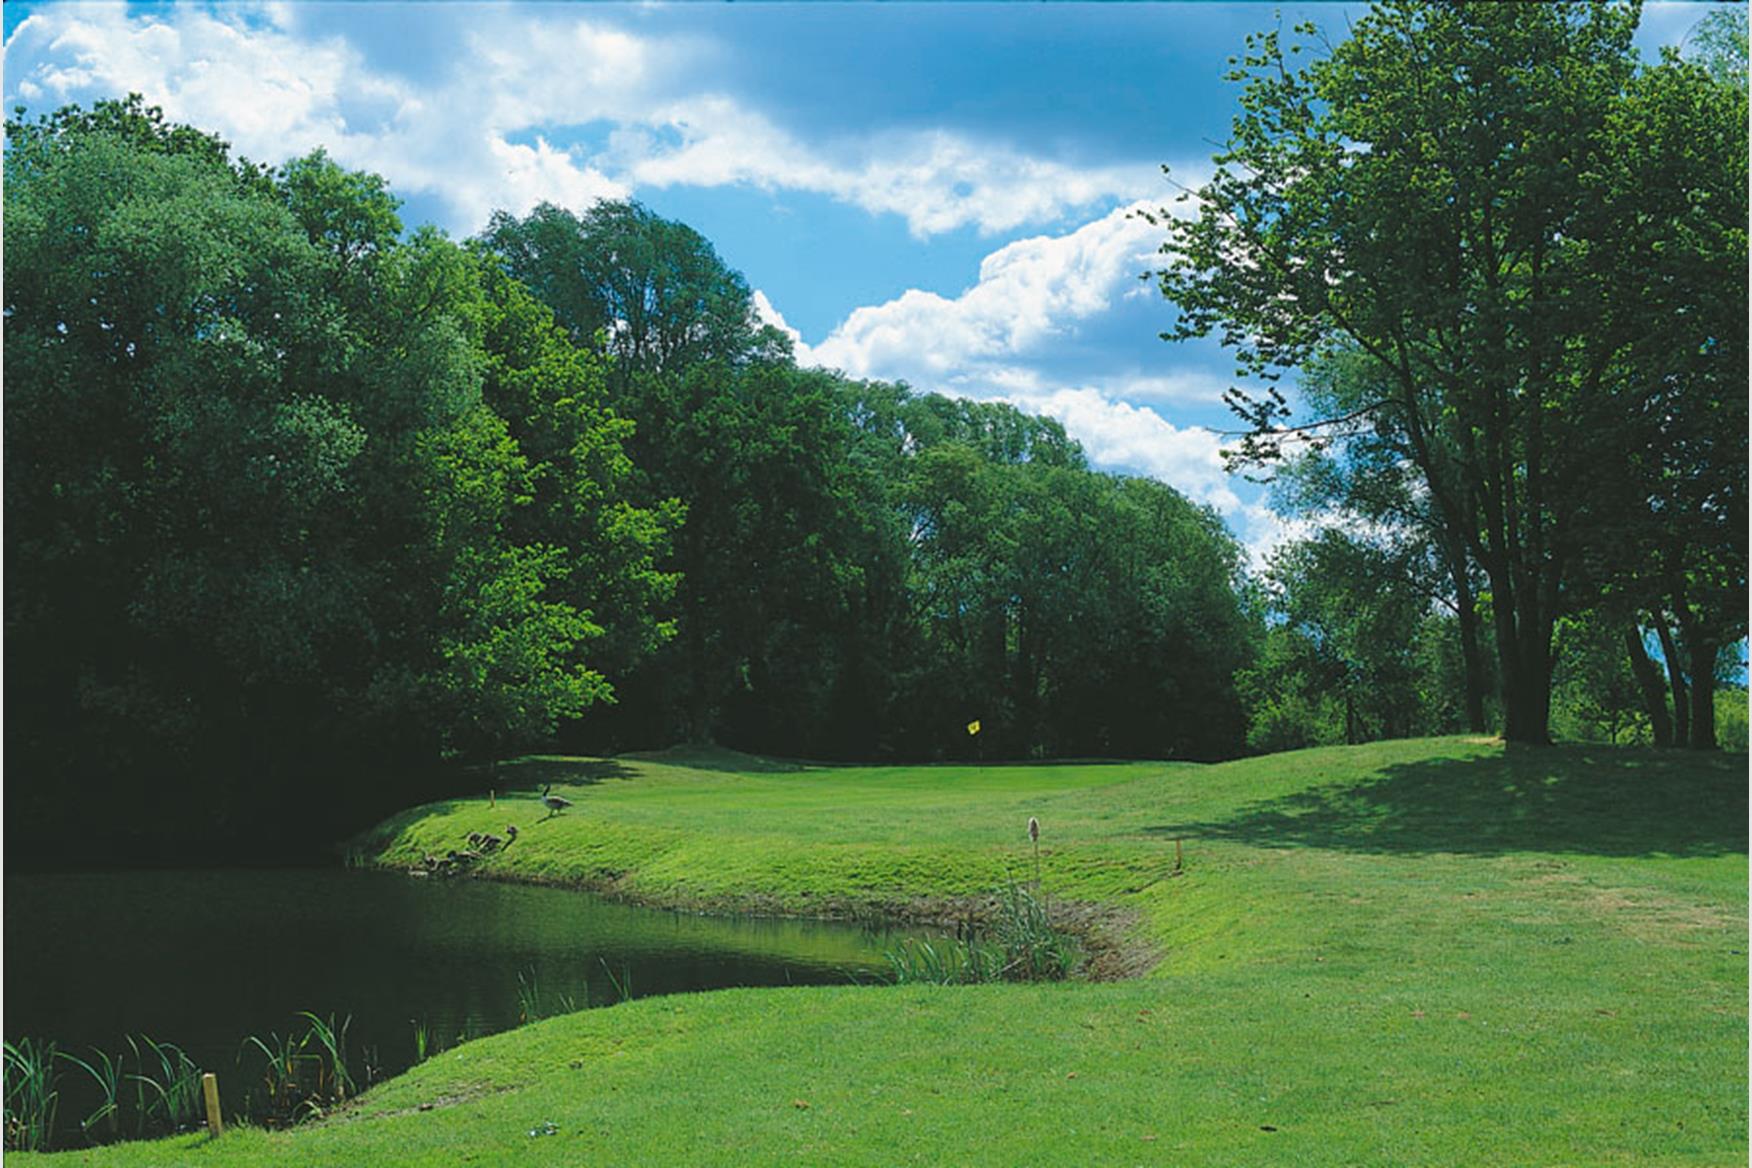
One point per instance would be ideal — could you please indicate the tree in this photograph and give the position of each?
(653, 290)
(1365, 474)
(1355, 634)
(1071, 612)
(1681, 240)
(265, 528)
(1445, 191)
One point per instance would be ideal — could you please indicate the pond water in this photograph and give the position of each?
(206, 958)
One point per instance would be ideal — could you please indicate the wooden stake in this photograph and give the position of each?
(210, 1092)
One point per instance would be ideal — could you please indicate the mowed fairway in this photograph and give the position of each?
(1429, 952)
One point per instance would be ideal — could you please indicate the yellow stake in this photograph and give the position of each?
(210, 1092)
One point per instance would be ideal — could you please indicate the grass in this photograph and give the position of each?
(1431, 952)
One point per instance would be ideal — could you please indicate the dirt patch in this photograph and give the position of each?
(1640, 913)
(357, 1110)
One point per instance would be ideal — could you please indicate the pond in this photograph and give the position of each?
(205, 959)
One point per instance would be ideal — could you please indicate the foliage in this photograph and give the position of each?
(266, 519)
(1731, 717)
(1484, 202)
(1359, 648)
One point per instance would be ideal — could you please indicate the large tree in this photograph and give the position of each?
(264, 531)
(1445, 192)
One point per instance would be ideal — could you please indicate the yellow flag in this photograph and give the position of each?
(973, 726)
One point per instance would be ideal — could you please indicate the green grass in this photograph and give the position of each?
(1430, 952)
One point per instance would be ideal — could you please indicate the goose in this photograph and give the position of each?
(554, 803)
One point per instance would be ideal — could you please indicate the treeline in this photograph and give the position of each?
(302, 506)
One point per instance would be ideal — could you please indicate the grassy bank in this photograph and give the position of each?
(1421, 952)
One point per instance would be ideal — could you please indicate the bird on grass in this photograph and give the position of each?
(554, 803)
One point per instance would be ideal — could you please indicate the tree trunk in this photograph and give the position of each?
(1525, 660)
(1648, 679)
(1676, 677)
(1703, 655)
(1467, 611)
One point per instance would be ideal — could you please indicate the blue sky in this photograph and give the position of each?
(935, 193)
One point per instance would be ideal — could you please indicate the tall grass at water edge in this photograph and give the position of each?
(161, 1096)
(1024, 946)
(31, 1096)
(303, 1075)
(106, 1072)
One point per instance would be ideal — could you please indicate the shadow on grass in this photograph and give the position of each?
(721, 758)
(375, 838)
(1600, 800)
(536, 770)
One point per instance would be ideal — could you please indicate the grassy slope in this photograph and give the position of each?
(1419, 952)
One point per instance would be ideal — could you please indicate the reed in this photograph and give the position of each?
(282, 1101)
(106, 1072)
(175, 1089)
(528, 998)
(31, 1095)
(967, 961)
(303, 1074)
(1033, 949)
(623, 985)
(334, 1082)
(424, 1048)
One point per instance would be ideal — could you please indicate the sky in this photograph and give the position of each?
(942, 194)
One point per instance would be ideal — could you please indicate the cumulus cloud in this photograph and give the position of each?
(935, 180)
(1125, 436)
(1029, 293)
(1120, 435)
(480, 133)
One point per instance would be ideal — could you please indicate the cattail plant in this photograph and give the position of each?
(1034, 835)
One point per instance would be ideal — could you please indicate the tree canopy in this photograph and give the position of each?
(1497, 210)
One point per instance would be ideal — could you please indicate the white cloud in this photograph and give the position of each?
(935, 180)
(1136, 438)
(1029, 293)
(1125, 436)
(464, 135)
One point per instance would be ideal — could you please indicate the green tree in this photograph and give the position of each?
(1071, 612)
(1364, 473)
(1355, 620)
(266, 526)
(1445, 191)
